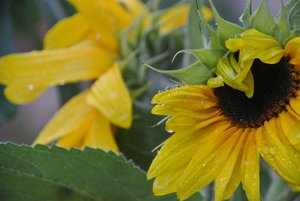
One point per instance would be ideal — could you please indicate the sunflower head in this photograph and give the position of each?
(238, 102)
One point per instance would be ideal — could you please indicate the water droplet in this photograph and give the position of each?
(123, 117)
(169, 131)
(246, 163)
(113, 95)
(98, 36)
(31, 87)
(273, 150)
(203, 164)
(61, 83)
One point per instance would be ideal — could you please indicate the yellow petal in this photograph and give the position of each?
(207, 13)
(292, 51)
(174, 18)
(68, 119)
(207, 162)
(166, 183)
(100, 134)
(67, 32)
(228, 170)
(177, 150)
(106, 17)
(295, 103)
(290, 124)
(250, 168)
(41, 69)
(189, 99)
(278, 152)
(77, 136)
(110, 95)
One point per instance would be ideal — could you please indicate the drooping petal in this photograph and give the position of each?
(110, 95)
(77, 137)
(70, 118)
(41, 69)
(174, 18)
(67, 32)
(100, 134)
(106, 17)
(207, 162)
(262, 46)
(278, 152)
(250, 168)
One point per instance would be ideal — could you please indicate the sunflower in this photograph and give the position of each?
(85, 46)
(247, 107)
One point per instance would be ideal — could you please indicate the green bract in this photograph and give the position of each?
(282, 28)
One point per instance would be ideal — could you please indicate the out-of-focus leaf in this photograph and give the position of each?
(57, 174)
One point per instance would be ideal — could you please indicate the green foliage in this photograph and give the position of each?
(209, 57)
(225, 29)
(292, 13)
(42, 173)
(247, 14)
(262, 19)
(282, 30)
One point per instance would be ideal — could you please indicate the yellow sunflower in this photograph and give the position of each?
(83, 47)
(248, 107)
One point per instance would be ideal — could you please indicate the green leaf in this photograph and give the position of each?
(262, 19)
(195, 39)
(282, 30)
(196, 73)
(226, 29)
(247, 14)
(209, 57)
(57, 174)
(292, 13)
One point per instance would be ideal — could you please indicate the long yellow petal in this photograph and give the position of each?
(67, 32)
(174, 18)
(207, 162)
(100, 135)
(110, 95)
(250, 168)
(278, 152)
(176, 152)
(227, 172)
(68, 119)
(41, 69)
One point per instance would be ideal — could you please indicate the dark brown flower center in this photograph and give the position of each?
(274, 85)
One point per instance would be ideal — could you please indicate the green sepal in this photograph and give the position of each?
(196, 73)
(282, 30)
(262, 19)
(195, 39)
(225, 29)
(209, 57)
(292, 13)
(247, 14)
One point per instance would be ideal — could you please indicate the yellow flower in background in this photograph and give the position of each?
(82, 47)
(248, 108)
